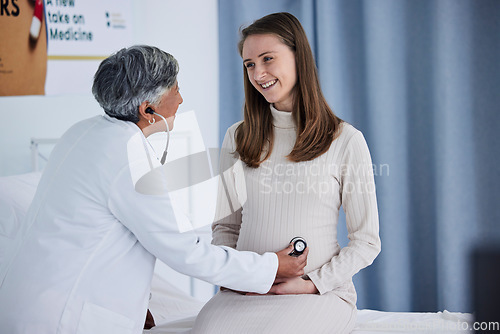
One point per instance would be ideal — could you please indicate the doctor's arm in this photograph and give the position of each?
(151, 218)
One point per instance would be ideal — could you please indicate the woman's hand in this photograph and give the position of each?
(291, 266)
(290, 286)
(293, 286)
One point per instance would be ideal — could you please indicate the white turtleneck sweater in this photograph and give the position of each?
(282, 199)
(262, 209)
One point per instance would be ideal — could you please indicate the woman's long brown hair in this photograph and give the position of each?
(317, 125)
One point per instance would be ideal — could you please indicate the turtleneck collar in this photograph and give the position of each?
(282, 119)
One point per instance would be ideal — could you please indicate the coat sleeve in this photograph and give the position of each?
(227, 222)
(156, 225)
(360, 205)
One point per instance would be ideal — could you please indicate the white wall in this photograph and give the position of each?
(186, 29)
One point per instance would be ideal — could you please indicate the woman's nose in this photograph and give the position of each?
(259, 72)
(182, 100)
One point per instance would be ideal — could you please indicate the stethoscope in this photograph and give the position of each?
(164, 156)
(299, 246)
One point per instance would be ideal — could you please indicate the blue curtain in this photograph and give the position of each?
(421, 80)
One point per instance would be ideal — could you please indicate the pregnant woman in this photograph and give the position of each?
(293, 164)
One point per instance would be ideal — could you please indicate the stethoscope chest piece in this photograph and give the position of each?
(299, 246)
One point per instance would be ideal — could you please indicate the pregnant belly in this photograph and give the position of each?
(322, 248)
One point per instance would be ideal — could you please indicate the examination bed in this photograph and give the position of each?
(175, 310)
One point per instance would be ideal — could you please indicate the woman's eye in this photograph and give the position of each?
(268, 58)
(248, 65)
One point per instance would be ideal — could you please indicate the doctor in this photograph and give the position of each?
(86, 253)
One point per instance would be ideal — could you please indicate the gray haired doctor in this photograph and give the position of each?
(85, 256)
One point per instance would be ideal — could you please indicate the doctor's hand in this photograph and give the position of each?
(291, 266)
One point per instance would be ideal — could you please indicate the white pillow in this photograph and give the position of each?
(16, 194)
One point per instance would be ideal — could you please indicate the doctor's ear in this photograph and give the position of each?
(146, 111)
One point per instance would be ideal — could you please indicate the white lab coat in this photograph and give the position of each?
(84, 259)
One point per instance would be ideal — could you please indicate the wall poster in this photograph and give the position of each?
(55, 46)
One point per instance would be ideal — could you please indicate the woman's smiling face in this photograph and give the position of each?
(271, 69)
